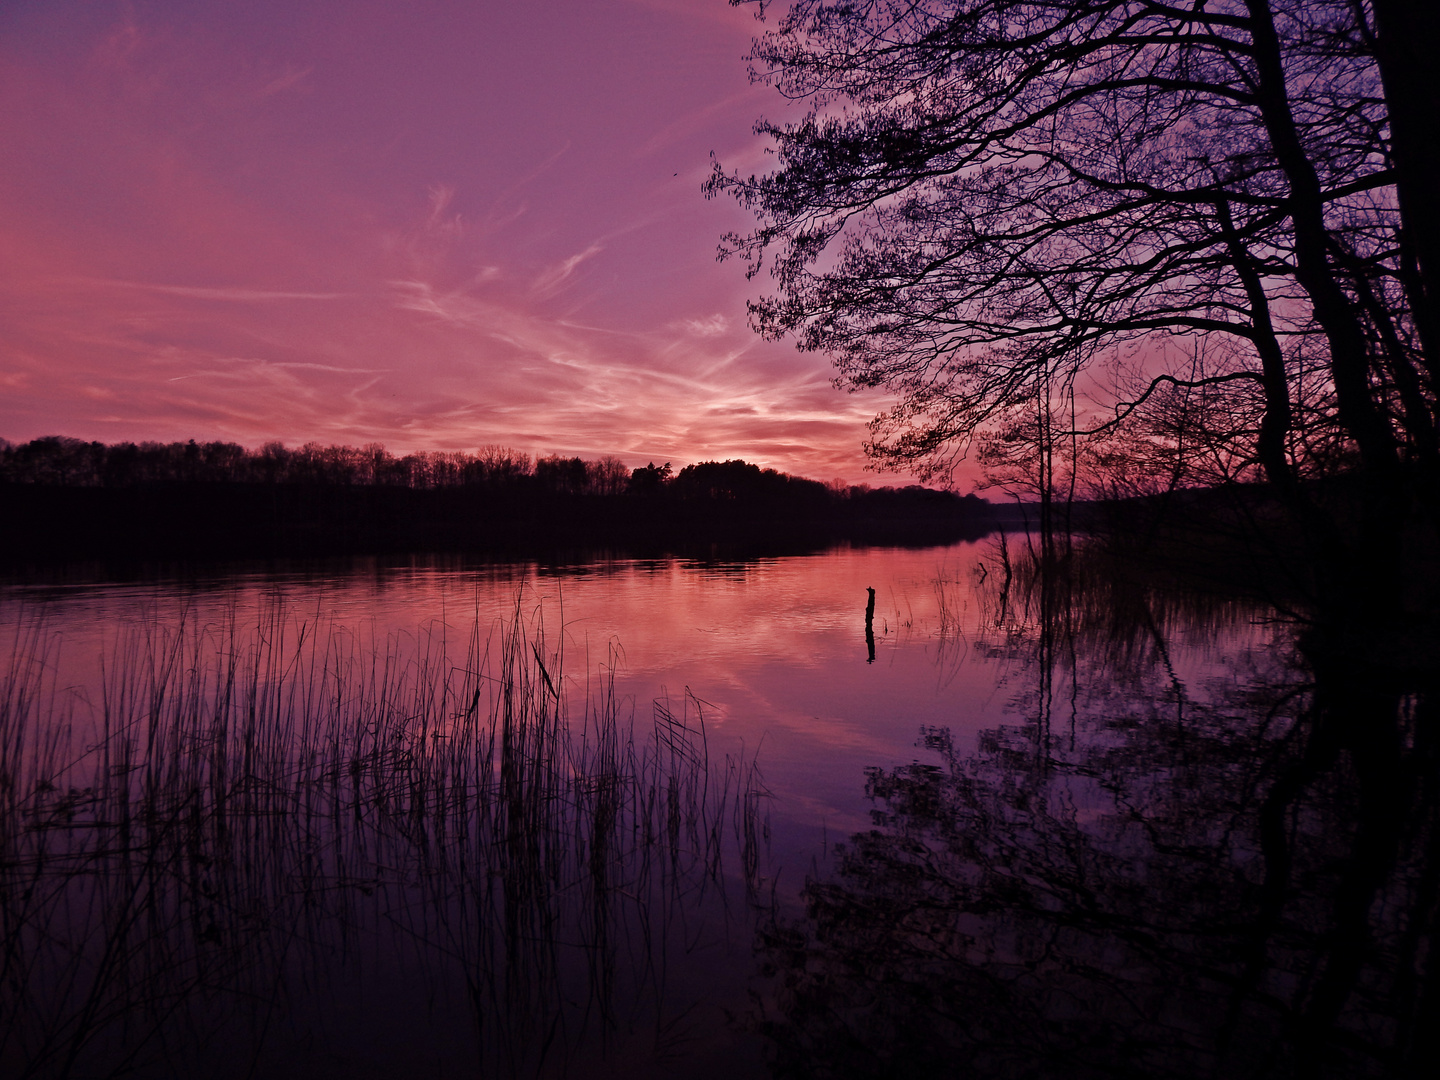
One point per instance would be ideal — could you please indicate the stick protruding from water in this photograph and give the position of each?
(870, 625)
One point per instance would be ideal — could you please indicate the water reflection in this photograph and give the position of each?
(280, 830)
(1150, 874)
(286, 854)
(777, 645)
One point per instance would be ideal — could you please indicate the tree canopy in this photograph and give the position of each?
(1069, 216)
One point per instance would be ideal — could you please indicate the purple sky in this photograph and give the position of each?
(429, 224)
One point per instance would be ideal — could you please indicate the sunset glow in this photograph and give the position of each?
(435, 226)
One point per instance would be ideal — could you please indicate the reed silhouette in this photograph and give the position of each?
(262, 831)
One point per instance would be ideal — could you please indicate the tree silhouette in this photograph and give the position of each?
(1007, 211)
(649, 479)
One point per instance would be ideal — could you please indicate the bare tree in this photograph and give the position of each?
(993, 206)
(609, 475)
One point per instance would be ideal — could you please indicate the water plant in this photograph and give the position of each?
(257, 822)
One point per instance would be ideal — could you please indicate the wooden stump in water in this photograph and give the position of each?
(870, 626)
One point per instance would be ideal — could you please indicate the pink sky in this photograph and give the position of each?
(433, 225)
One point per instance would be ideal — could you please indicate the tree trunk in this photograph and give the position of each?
(1407, 45)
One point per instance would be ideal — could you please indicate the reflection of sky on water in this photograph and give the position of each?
(774, 647)
(917, 805)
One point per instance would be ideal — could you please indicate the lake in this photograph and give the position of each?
(428, 816)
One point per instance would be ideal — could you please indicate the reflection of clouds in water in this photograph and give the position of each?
(773, 643)
(775, 649)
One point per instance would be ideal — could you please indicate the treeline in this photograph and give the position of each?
(75, 463)
(65, 497)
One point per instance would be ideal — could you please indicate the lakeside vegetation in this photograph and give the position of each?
(65, 497)
(197, 870)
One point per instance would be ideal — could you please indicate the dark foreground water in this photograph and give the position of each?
(666, 818)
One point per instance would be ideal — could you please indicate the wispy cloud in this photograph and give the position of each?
(441, 196)
(235, 295)
(551, 280)
(277, 364)
(456, 307)
(695, 121)
(472, 244)
(292, 77)
(501, 212)
(713, 326)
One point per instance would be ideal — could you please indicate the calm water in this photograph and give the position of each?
(303, 822)
(775, 649)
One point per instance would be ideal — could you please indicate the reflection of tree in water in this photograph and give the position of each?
(1234, 882)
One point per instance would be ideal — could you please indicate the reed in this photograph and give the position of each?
(252, 817)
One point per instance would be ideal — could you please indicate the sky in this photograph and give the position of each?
(434, 225)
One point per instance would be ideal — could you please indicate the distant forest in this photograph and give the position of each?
(62, 497)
